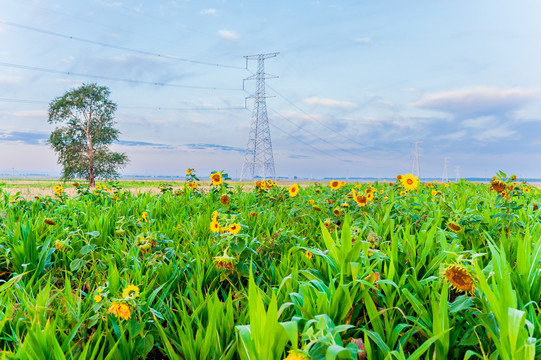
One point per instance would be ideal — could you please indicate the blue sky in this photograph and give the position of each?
(359, 81)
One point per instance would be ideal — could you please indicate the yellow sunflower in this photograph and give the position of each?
(130, 292)
(216, 179)
(120, 310)
(296, 355)
(293, 190)
(361, 200)
(234, 228)
(334, 184)
(409, 182)
(214, 226)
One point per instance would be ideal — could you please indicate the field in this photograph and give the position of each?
(400, 270)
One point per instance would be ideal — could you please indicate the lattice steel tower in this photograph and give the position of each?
(258, 158)
(415, 169)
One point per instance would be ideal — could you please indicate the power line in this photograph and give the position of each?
(315, 148)
(164, 108)
(142, 52)
(316, 120)
(131, 81)
(315, 135)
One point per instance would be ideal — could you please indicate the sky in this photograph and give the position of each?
(358, 82)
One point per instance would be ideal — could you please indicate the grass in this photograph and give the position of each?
(315, 275)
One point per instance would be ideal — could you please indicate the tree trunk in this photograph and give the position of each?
(91, 181)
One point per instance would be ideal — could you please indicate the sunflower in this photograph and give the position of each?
(58, 190)
(130, 292)
(293, 190)
(214, 226)
(225, 262)
(361, 200)
(337, 212)
(234, 228)
(309, 255)
(434, 192)
(409, 182)
(120, 310)
(192, 185)
(398, 178)
(327, 223)
(296, 355)
(60, 245)
(453, 226)
(224, 199)
(216, 179)
(370, 196)
(497, 185)
(188, 172)
(334, 184)
(97, 298)
(459, 278)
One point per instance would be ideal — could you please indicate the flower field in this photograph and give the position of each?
(335, 270)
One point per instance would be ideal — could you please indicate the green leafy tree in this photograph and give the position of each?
(86, 131)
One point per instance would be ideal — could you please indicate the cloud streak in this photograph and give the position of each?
(25, 137)
(476, 102)
(210, 11)
(202, 146)
(317, 101)
(228, 35)
(145, 143)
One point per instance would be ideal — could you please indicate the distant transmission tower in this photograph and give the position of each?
(258, 158)
(445, 177)
(415, 170)
(457, 173)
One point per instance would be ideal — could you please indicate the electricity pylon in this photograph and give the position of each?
(415, 170)
(444, 177)
(258, 158)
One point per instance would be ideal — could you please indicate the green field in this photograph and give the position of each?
(326, 271)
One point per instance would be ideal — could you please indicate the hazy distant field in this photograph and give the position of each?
(31, 188)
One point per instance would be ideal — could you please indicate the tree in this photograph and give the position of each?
(82, 142)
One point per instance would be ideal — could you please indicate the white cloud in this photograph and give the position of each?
(210, 11)
(329, 102)
(497, 133)
(477, 102)
(228, 35)
(363, 40)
